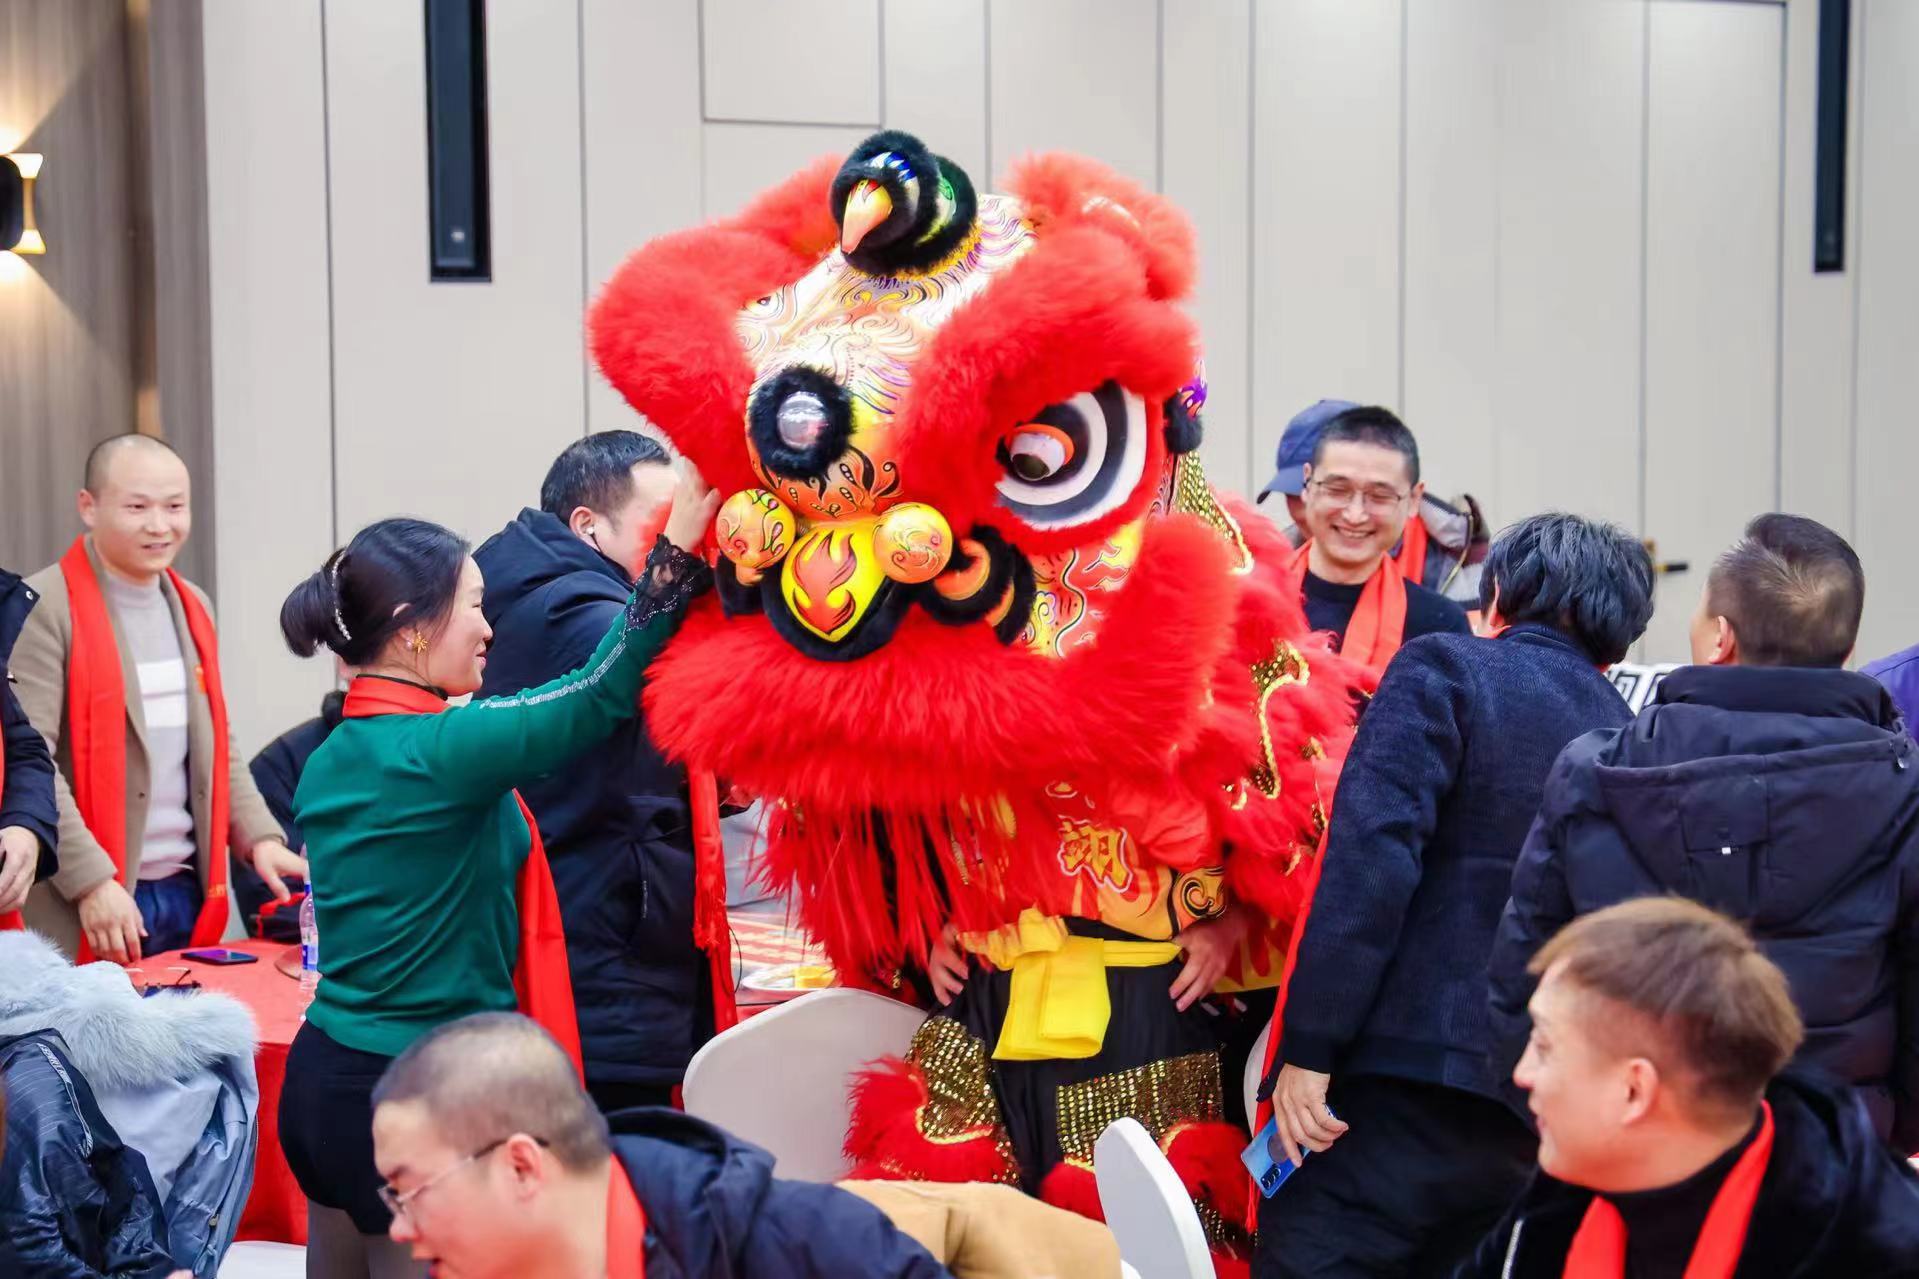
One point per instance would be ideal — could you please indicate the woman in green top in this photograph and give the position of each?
(414, 834)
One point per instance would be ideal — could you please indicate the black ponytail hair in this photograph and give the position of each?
(353, 605)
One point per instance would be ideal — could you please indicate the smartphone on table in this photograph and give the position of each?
(220, 955)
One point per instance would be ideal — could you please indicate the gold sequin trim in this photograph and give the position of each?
(1312, 749)
(1160, 1094)
(1285, 666)
(1192, 495)
(960, 1106)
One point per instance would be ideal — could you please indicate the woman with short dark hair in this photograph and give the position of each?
(418, 841)
(1382, 1065)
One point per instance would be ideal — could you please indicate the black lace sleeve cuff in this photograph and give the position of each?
(669, 581)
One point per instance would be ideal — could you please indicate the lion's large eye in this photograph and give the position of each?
(1074, 461)
(1037, 452)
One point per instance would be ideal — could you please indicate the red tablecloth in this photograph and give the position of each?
(276, 1210)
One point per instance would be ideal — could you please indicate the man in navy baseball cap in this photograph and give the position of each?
(1296, 453)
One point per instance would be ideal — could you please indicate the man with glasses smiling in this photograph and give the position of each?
(1359, 490)
(497, 1165)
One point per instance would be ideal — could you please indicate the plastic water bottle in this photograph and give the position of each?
(309, 949)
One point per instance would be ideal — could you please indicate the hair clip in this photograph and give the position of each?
(339, 622)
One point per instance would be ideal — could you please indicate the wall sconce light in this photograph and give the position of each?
(18, 231)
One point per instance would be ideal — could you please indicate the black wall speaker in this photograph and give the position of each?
(1829, 137)
(459, 204)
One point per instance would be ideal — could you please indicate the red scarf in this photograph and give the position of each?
(541, 977)
(711, 932)
(625, 1227)
(1599, 1249)
(1378, 625)
(1412, 551)
(97, 733)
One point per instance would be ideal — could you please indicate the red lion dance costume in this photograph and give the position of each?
(1005, 662)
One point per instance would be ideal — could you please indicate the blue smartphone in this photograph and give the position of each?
(219, 955)
(1269, 1173)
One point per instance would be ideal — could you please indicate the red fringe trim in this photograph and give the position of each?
(1073, 1188)
(885, 1143)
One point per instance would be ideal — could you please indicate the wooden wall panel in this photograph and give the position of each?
(743, 160)
(1712, 289)
(934, 71)
(1820, 311)
(1076, 75)
(1206, 121)
(1451, 326)
(176, 185)
(1571, 166)
(795, 62)
(1887, 254)
(270, 343)
(452, 399)
(66, 335)
(643, 148)
(1326, 199)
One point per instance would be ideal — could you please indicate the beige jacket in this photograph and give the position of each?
(40, 666)
(983, 1231)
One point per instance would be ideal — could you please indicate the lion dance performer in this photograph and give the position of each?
(1010, 669)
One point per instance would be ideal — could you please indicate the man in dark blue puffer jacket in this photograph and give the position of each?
(497, 1167)
(615, 820)
(1774, 786)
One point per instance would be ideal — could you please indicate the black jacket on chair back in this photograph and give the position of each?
(614, 820)
(1785, 798)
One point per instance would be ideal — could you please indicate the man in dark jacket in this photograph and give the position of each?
(276, 771)
(1771, 784)
(29, 819)
(615, 820)
(1384, 1049)
(554, 1196)
(1669, 1144)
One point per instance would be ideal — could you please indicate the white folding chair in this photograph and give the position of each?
(779, 1079)
(1147, 1207)
(256, 1259)
(1250, 1083)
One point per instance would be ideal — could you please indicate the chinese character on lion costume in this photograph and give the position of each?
(1007, 666)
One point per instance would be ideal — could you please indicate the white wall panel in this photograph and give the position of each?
(799, 61)
(743, 160)
(272, 378)
(640, 94)
(1816, 371)
(1076, 75)
(1326, 199)
(1888, 266)
(1571, 120)
(452, 399)
(934, 64)
(1712, 288)
(1208, 79)
(1452, 251)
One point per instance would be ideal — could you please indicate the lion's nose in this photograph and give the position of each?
(831, 571)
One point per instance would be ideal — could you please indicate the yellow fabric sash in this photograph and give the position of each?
(1058, 1006)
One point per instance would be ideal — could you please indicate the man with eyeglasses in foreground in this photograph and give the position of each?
(497, 1165)
(1356, 496)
